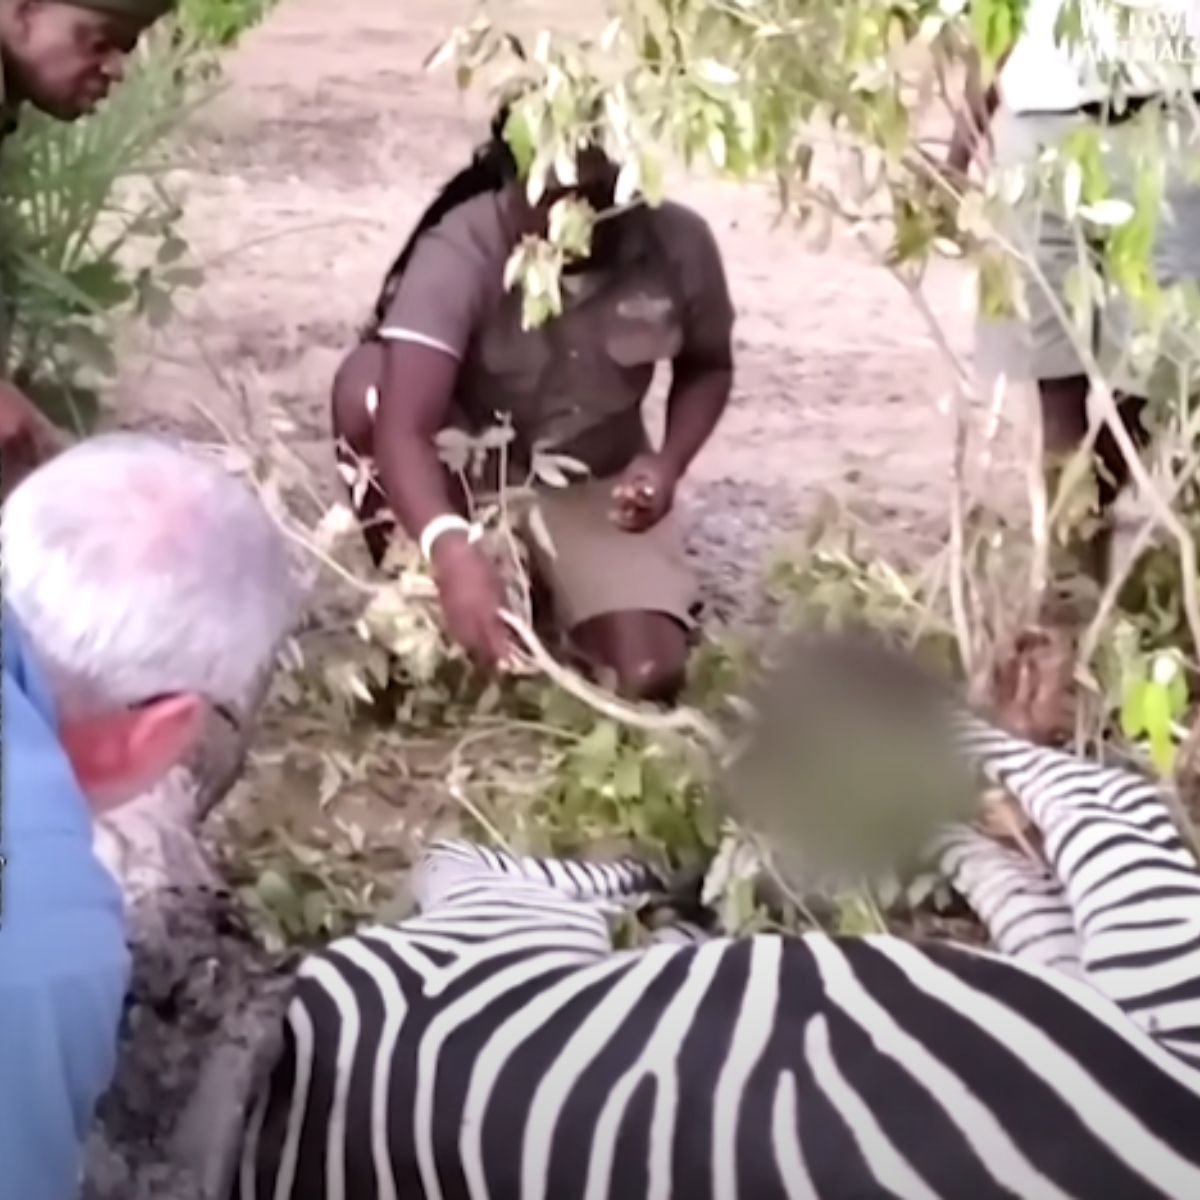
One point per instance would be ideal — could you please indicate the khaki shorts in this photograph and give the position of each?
(595, 568)
(1041, 348)
(598, 569)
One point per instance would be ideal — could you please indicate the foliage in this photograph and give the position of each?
(831, 103)
(834, 104)
(308, 890)
(82, 204)
(397, 740)
(220, 23)
(90, 233)
(1154, 698)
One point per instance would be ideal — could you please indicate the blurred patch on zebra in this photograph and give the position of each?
(496, 1046)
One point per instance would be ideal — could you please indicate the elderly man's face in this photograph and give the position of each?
(120, 755)
(66, 59)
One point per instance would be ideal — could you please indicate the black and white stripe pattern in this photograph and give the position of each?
(494, 1046)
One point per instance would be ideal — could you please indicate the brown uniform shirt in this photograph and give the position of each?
(575, 385)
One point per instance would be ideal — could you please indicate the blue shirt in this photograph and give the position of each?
(64, 965)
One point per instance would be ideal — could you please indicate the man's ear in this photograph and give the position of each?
(119, 755)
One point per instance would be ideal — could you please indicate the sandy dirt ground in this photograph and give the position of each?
(304, 176)
(300, 182)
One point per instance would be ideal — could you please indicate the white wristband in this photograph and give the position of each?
(445, 523)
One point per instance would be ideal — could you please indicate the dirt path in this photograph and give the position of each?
(303, 178)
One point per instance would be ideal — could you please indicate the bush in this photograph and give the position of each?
(89, 232)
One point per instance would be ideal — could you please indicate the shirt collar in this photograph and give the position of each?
(21, 667)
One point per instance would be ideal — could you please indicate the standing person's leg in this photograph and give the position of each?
(1063, 407)
(1175, 258)
(626, 598)
(1045, 349)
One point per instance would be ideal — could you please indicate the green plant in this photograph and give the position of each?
(1154, 696)
(828, 101)
(90, 227)
(90, 234)
(220, 23)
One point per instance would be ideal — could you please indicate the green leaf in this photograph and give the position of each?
(155, 305)
(90, 349)
(102, 282)
(570, 229)
(650, 170)
(520, 138)
(316, 911)
(1109, 212)
(595, 753)
(183, 277)
(173, 248)
(1133, 708)
(1178, 696)
(627, 778)
(1157, 709)
(278, 895)
(714, 72)
(1072, 188)
(628, 181)
(716, 146)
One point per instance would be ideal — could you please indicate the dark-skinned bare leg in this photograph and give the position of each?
(646, 651)
(1064, 425)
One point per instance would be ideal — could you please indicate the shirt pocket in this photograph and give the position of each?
(643, 327)
(512, 365)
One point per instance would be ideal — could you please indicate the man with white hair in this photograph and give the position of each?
(146, 592)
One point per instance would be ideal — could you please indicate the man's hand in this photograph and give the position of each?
(27, 439)
(644, 493)
(471, 601)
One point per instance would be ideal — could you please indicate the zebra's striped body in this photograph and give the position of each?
(496, 1046)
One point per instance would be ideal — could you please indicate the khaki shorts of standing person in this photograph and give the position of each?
(1042, 348)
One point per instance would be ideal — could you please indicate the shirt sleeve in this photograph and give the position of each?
(58, 1040)
(64, 963)
(708, 307)
(442, 292)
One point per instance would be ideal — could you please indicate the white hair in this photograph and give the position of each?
(138, 569)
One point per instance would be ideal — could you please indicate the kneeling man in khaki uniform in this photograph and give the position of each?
(446, 349)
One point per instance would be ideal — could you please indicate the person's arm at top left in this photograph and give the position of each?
(27, 438)
(701, 379)
(64, 965)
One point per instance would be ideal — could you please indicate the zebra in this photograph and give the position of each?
(496, 1046)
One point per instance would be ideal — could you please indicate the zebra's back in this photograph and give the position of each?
(763, 1067)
